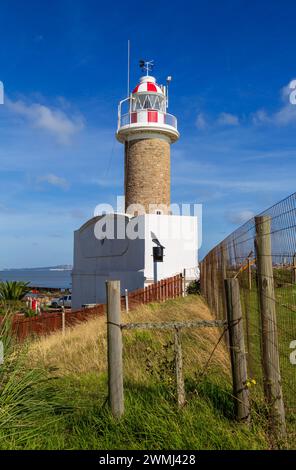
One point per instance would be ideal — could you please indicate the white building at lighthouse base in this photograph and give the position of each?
(126, 253)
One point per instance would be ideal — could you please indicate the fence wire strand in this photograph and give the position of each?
(236, 257)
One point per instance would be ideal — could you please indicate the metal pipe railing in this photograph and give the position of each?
(126, 119)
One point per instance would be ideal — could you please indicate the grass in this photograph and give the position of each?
(25, 405)
(285, 295)
(58, 392)
(151, 421)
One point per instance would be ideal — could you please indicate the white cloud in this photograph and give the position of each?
(201, 122)
(78, 214)
(223, 119)
(271, 183)
(260, 117)
(239, 217)
(227, 119)
(286, 90)
(55, 121)
(54, 180)
(105, 182)
(285, 116)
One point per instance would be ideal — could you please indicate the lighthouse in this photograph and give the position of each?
(147, 241)
(147, 131)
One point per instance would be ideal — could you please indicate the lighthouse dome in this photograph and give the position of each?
(148, 84)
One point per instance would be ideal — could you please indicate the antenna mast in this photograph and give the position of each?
(128, 66)
(168, 80)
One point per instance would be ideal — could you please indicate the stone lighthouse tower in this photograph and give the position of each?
(146, 243)
(147, 132)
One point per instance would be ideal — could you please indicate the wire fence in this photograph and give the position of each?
(237, 256)
(173, 350)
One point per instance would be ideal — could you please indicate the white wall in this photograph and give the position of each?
(178, 234)
(128, 256)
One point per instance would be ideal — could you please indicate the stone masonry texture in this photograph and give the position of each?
(147, 174)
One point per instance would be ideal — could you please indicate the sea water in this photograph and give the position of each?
(60, 279)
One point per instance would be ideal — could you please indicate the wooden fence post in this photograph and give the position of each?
(179, 370)
(201, 273)
(114, 335)
(247, 307)
(269, 336)
(126, 300)
(209, 282)
(249, 275)
(214, 294)
(223, 276)
(205, 276)
(184, 282)
(234, 254)
(63, 320)
(237, 350)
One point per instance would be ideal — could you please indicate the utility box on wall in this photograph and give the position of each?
(158, 254)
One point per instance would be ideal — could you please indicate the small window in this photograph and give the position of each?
(158, 212)
(148, 101)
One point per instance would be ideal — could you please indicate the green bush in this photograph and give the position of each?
(15, 306)
(13, 290)
(193, 287)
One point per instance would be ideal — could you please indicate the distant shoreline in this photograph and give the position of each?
(53, 278)
(66, 267)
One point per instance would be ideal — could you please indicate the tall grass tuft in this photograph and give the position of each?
(28, 403)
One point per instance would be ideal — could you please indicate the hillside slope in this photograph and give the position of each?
(83, 349)
(76, 394)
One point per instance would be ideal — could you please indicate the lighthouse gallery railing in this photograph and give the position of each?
(126, 119)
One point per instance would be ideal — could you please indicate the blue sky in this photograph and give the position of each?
(63, 65)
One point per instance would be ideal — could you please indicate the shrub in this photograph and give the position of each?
(13, 290)
(193, 287)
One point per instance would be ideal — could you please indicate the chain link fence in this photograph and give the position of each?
(237, 257)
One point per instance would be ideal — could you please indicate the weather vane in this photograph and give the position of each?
(147, 65)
